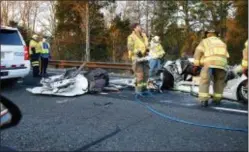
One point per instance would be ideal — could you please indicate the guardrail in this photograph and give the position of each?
(64, 63)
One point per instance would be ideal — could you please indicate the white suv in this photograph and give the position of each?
(14, 54)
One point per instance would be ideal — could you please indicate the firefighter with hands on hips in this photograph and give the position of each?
(137, 45)
(34, 51)
(212, 55)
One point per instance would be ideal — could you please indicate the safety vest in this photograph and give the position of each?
(36, 45)
(215, 53)
(139, 44)
(156, 51)
(244, 63)
(45, 48)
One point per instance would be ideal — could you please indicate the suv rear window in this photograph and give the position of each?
(9, 37)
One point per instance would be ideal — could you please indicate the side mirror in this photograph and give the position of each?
(10, 114)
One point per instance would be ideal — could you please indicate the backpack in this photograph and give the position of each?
(97, 80)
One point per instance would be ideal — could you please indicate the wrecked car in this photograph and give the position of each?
(73, 82)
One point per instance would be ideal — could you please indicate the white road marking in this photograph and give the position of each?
(190, 104)
(215, 108)
(64, 101)
(103, 93)
(229, 109)
(166, 101)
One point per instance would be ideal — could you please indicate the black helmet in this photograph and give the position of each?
(211, 30)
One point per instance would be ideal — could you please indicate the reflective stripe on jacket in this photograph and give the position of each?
(136, 43)
(213, 52)
(245, 56)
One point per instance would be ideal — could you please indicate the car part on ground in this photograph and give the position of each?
(71, 83)
(235, 88)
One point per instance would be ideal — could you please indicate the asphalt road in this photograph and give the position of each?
(114, 121)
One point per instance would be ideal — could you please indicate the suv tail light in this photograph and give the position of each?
(2, 67)
(26, 53)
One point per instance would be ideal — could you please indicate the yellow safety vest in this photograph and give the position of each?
(139, 44)
(157, 51)
(36, 45)
(244, 63)
(214, 53)
(44, 49)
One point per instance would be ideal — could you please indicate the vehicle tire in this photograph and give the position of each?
(242, 92)
(13, 81)
(167, 80)
(9, 82)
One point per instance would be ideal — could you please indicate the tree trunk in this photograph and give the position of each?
(87, 33)
(147, 18)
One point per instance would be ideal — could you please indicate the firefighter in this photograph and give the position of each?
(213, 54)
(244, 63)
(34, 51)
(45, 56)
(156, 53)
(137, 45)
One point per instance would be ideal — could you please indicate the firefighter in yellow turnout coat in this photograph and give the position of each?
(244, 63)
(137, 45)
(34, 51)
(214, 54)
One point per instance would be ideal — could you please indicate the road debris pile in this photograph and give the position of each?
(174, 75)
(70, 83)
(177, 75)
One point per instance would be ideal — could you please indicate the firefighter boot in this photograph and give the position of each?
(216, 102)
(204, 103)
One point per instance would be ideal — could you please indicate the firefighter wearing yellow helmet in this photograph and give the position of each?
(244, 63)
(213, 52)
(34, 51)
(137, 45)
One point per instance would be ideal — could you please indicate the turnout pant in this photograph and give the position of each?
(43, 66)
(34, 58)
(141, 70)
(218, 76)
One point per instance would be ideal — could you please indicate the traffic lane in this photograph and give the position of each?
(176, 99)
(47, 112)
(157, 134)
(75, 123)
(177, 136)
(51, 125)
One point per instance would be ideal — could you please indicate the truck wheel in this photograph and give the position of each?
(242, 92)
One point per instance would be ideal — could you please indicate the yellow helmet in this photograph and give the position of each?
(156, 38)
(34, 36)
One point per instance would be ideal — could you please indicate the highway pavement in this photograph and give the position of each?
(114, 121)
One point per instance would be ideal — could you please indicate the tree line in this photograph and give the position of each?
(180, 25)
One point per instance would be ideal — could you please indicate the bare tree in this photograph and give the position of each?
(87, 33)
(48, 22)
(4, 12)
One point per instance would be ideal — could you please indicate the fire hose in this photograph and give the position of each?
(165, 116)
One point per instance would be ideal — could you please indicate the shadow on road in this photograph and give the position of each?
(99, 140)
